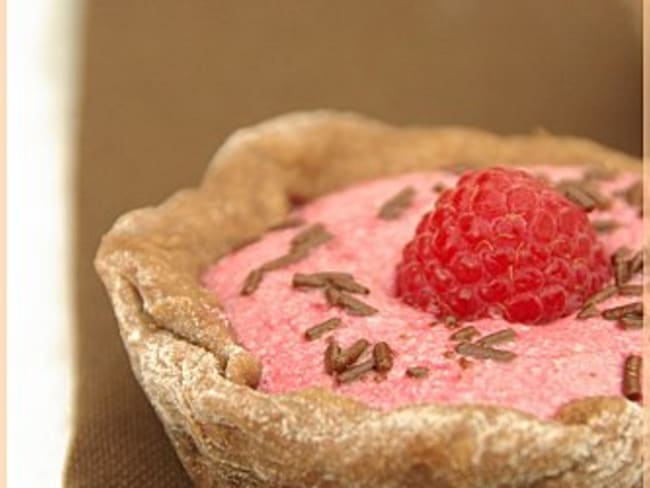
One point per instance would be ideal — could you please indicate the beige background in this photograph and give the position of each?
(41, 60)
(165, 81)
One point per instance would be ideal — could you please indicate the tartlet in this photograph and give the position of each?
(201, 381)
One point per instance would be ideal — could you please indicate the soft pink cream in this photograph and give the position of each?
(556, 363)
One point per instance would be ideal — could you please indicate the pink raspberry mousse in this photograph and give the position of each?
(555, 363)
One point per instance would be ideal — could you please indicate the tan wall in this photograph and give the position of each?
(167, 80)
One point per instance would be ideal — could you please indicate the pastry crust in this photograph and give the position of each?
(197, 377)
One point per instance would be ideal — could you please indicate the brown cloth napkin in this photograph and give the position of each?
(164, 82)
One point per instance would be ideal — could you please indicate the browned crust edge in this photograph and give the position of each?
(183, 352)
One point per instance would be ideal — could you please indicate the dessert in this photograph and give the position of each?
(280, 362)
(287, 322)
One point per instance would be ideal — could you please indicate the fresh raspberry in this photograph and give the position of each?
(502, 244)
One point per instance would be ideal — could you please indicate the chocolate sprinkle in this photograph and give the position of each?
(293, 257)
(583, 194)
(348, 284)
(600, 173)
(616, 313)
(628, 322)
(339, 281)
(605, 226)
(383, 357)
(349, 356)
(311, 237)
(633, 194)
(301, 280)
(588, 312)
(622, 273)
(464, 334)
(288, 223)
(577, 195)
(481, 352)
(356, 372)
(601, 201)
(451, 322)
(631, 290)
(495, 338)
(252, 281)
(301, 245)
(636, 262)
(621, 253)
(332, 275)
(464, 363)
(356, 307)
(332, 295)
(319, 280)
(601, 296)
(348, 302)
(394, 207)
(439, 187)
(319, 330)
(332, 353)
(632, 378)
(417, 371)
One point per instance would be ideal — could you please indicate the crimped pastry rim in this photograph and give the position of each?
(185, 356)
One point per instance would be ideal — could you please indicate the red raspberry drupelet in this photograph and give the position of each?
(502, 243)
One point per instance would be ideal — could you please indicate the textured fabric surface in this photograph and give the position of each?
(164, 82)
